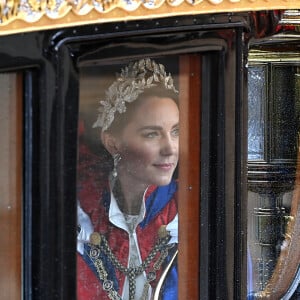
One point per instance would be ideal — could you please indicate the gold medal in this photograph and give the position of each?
(95, 238)
(163, 232)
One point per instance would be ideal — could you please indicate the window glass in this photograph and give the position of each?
(256, 103)
(127, 179)
(10, 186)
(273, 201)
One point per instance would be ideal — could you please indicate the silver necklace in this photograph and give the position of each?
(99, 243)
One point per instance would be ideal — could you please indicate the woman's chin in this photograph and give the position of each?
(161, 181)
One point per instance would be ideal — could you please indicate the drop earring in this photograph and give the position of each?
(116, 158)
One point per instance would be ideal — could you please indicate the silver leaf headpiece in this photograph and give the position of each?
(130, 83)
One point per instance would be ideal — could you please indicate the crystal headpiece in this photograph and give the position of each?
(130, 83)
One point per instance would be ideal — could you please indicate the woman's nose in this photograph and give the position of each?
(169, 145)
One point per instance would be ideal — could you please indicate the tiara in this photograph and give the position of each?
(129, 84)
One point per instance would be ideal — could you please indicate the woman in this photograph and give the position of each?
(128, 223)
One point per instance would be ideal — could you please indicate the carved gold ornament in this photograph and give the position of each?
(28, 15)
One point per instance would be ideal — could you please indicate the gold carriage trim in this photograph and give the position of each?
(28, 15)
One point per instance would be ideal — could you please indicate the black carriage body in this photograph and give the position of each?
(49, 63)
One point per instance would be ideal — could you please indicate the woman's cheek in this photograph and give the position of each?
(137, 152)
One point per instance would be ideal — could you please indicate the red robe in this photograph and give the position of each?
(94, 198)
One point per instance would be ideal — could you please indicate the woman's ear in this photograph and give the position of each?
(109, 142)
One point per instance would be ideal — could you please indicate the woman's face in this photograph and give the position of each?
(148, 144)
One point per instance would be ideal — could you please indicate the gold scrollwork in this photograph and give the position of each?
(32, 10)
(28, 15)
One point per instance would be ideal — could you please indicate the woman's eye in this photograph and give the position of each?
(175, 132)
(151, 134)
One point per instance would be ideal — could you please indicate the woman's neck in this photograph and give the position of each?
(128, 197)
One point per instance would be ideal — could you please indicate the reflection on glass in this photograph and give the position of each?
(127, 191)
(272, 143)
(256, 109)
(285, 112)
(10, 186)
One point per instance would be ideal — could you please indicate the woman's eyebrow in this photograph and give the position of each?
(150, 127)
(155, 127)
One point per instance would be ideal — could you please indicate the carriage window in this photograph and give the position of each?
(10, 186)
(273, 176)
(128, 179)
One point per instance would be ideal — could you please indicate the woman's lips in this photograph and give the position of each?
(165, 166)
